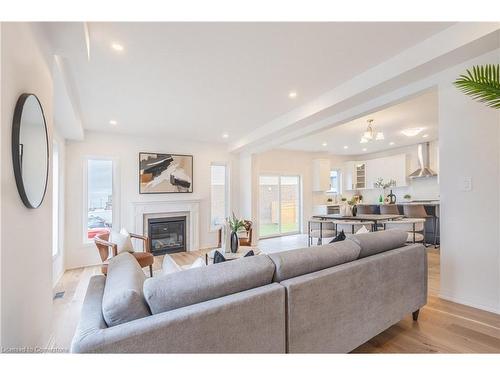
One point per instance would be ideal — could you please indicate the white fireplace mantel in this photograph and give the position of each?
(190, 208)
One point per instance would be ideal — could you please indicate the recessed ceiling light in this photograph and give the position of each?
(411, 132)
(292, 94)
(113, 122)
(324, 144)
(225, 135)
(391, 143)
(346, 147)
(364, 149)
(117, 46)
(425, 135)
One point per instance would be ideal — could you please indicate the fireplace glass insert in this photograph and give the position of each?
(167, 235)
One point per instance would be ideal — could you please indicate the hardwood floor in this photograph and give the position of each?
(442, 327)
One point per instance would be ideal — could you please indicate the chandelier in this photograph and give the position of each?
(370, 135)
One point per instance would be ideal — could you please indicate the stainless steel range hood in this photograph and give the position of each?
(424, 169)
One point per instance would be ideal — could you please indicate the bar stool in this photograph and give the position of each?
(436, 228)
(365, 209)
(415, 211)
(389, 209)
(351, 227)
(320, 229)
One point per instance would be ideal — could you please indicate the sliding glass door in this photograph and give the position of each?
(280, 205)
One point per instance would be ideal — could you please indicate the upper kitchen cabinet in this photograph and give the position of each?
(388, 168)
(321, 175)
(355, 176)
(362, 175)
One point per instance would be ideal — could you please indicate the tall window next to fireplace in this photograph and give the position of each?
(167, 235)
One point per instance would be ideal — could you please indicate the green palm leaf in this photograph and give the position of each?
(482, 84)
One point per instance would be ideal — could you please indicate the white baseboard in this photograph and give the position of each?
(462, 301)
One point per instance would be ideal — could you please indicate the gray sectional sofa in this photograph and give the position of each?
(322, 299)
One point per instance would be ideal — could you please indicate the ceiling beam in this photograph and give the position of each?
(447, 48)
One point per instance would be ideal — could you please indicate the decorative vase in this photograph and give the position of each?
(226, 238)
(234, 242)
(391, 197)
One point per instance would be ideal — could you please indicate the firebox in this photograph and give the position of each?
(167, 235)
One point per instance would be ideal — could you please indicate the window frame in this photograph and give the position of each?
(339, 181)
(115, 191)
(227, 193)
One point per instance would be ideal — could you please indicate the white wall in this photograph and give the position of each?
(469, 147)
(26, 258)
(125, 150)
(420, 188)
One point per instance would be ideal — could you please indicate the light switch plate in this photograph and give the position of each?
(466, 184)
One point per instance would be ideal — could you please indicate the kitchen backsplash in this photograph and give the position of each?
(420, 188)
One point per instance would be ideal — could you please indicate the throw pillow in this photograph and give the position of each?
(199, 262)
(123, 241)
(339, 237)
(218, 257)
(362, 230)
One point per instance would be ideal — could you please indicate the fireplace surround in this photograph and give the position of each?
(144, 211)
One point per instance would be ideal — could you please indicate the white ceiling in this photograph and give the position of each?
(199, 80)
(418, 112)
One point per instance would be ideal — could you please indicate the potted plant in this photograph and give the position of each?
(235, 225)
(407, 197)
(482, 83)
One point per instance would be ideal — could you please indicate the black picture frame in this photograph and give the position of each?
(16, 150)
(160, 154)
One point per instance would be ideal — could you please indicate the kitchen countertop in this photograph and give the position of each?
(425, 203)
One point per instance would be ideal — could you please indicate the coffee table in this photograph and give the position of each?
(186, 258)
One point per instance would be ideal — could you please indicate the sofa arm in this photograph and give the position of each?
(252, 321)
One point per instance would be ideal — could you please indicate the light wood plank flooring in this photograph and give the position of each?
(443, 326)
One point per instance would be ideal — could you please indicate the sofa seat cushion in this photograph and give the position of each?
(174, 290)
(377, 242)
(123, 299)
(299, 262)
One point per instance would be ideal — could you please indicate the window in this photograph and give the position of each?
(280, 205)
(99, 200)
(219, 207)
(335, 182)
(55, 199)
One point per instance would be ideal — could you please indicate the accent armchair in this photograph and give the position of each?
(145, 258)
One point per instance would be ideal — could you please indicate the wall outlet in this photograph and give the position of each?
(465, 184)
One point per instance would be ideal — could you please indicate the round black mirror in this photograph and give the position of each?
(30, 150)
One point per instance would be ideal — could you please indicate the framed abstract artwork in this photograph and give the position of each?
(165, 173)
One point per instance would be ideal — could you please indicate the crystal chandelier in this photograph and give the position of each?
(370, 134)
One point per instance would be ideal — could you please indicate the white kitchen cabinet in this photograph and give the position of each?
(321, 175)
(348, 175)
(388, 168)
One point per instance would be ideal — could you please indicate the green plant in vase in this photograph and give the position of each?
(235, 225)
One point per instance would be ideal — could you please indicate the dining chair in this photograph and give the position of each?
(109, 249)
(351, 227)
(319, 229)
(415, 227)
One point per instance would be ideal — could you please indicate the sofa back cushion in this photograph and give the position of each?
(123, 299)
(377, 242)
(171, 291)
(298, 262)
